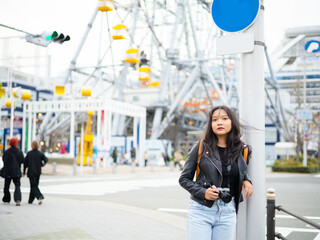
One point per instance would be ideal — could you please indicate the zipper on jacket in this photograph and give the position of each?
(216, 168)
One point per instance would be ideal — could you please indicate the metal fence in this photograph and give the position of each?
(271, 207)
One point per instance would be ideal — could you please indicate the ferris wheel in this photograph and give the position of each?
(161, 52)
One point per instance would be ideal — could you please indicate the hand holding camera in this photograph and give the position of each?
(224, 194)
(212, 193)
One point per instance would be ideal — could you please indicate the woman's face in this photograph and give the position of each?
(221, 123)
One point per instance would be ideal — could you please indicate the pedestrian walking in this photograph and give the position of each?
(177, 158)
(166, 158)
(221, 178)
(115, 155)
(146, 158)
(34, 161)
(126, 158)
(12, 160)
(133, 156)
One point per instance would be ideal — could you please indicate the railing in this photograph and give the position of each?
(271, 207)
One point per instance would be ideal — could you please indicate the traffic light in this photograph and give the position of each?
(57, 38)
(61, 38)
(46, 38)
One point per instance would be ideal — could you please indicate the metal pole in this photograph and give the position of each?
(71, 150)
(82, 148)
(29, 129)
(305, 107)
(271, 203)
(252, 114)
(23, 138)
(34, 116)
(135, 140)
(142, 139)
(109, 135)
(105, 140)
(98, 138)
(11, 115)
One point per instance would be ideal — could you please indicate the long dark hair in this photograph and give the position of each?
(234, 144)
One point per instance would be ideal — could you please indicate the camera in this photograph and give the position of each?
(224, 194)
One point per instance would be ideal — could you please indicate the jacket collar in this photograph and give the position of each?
(215, 158)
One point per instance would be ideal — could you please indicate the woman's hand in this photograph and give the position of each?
(212, 193)
(247, 186)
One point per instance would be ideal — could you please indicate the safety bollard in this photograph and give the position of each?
(74, 169)
(271, 204)
(152, 166)
(171, 163)
(54, 167)
(94, 167)
(114, 167)
(133, 167)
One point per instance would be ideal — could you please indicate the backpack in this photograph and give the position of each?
(245, 155)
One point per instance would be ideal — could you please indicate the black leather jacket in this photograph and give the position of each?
(210, 174)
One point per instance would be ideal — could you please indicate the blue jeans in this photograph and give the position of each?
(215, 223)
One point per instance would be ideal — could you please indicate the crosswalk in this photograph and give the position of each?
(103, 186)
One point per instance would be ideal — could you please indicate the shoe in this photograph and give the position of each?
(18, 203)
(40, 201)
(6, 203)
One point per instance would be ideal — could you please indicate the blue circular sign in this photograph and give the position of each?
(234, 15)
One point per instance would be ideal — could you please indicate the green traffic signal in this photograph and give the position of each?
(53, 35)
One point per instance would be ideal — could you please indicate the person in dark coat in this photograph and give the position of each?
(12, 160)
(33, 162)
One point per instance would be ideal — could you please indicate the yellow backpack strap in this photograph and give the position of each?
(245, 153)
(198, 159)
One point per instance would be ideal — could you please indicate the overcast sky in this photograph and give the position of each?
(71, 17)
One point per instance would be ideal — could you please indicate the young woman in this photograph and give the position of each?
(212, 210)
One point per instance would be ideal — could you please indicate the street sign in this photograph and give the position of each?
(304, 114)
(235, 44)
(234, 15)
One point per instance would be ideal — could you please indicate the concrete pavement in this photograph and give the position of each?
(65, 218)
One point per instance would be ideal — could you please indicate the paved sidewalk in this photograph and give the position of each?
(66, 219)
(76, 218)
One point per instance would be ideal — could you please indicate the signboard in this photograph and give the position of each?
(312, 46)
(234, 15)
(235, 44)
(304, 114)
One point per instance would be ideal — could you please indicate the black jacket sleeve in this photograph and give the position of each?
(187, 175)
(25, 165)
(44, 159)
